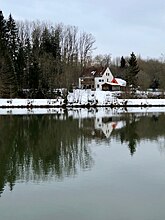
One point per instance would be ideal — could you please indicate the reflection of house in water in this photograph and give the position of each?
(98, 124)
(107, 125)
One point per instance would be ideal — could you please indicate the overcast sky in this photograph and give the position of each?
(119, 26)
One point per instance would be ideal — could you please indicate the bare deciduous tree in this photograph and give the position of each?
(86, 48)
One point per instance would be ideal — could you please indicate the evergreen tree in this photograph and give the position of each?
(8, 87)
(28, 61)
(122, 62)
(7, 69)
(12, 38)
(132, 71)
(3, 32)
(36, 42)
(55, 45)
(2, 44)
(46, 45)
(20, 67)
(13, 48)
(56, 52)
(34, 75)
(155, 84)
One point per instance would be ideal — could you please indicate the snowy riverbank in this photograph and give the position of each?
(83, 112)
(82, 98)
(107, 98)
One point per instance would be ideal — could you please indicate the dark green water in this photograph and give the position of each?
(82, 167)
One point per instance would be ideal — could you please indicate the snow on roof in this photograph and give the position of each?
(111, 83)
(121, 82)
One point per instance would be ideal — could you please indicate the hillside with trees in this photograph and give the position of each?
(147, 74)
(37, 57)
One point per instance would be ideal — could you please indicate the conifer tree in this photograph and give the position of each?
(133, 64)
(46, 41)
(34, 75)
(56, 52)
(20, 67)
(13, 48)
(3, 32)
(132, 71)
(8, 88)
(12, 38)
(28, 62)
(7, 69)
(122, 62)
(55, 45)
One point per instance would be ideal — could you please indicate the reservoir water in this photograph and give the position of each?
(82, 164)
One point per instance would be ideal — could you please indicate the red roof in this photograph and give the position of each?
(114, 125)
(114, 81)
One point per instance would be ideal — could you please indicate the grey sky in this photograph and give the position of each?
(119, 26)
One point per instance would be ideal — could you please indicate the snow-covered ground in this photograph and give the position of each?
(107, 98)
(81, 98)
(31, 111)
(31, 102)
(77, 113)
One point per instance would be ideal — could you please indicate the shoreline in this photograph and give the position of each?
(59, 103)
(82, 99)
(85, 112)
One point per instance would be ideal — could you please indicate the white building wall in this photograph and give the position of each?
(105, 78)
(106, 128)
(99, 81)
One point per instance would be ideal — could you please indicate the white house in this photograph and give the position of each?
(106, 128)
(105, 77)
(107, 125)
(100, 79)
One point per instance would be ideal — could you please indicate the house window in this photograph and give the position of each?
(107, 80)
(97, 85)
(107, 74)
(102, 80)
(99, 80)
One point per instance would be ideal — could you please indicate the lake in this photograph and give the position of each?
(83, 164)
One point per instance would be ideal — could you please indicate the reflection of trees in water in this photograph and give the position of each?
(129, 134)
(145, 127)
(40, 147)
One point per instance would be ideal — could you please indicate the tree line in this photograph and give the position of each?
(38, 57)
(141, 73)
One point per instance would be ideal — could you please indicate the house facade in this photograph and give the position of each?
(100, 79)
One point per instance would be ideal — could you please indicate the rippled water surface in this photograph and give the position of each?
(82, 165)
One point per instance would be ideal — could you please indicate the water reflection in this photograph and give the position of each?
(39, 147)
(42, 147)
(141, 127)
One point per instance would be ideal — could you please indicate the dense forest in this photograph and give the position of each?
(38, 57)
